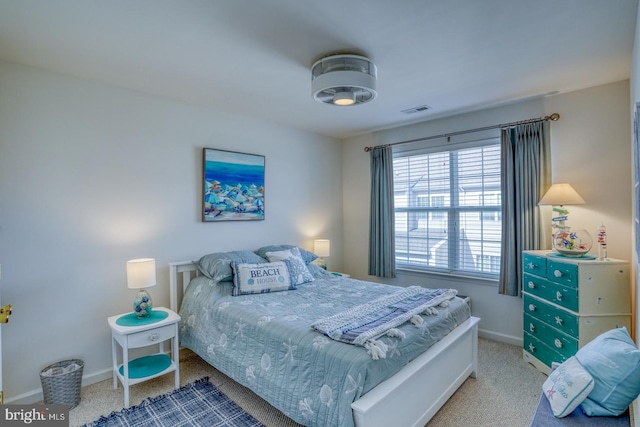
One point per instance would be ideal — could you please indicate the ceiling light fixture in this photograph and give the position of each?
(344, 80)
(344, 98)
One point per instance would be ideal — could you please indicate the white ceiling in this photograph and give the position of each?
(254, 57)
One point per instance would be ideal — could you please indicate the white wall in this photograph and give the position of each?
(590, 149)
(91, 176)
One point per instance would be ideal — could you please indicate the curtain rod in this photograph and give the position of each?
(553, 117)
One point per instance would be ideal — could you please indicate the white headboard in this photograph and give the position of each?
(180, 274)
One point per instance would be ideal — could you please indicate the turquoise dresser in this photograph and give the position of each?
(568, 302)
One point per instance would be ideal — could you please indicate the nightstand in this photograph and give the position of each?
(130, 332)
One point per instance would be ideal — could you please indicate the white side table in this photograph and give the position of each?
(130, 332)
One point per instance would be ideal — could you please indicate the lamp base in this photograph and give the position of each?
(143, 304)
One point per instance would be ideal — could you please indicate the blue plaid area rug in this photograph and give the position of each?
(196, 404)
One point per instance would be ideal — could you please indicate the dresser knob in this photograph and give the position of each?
(557, 273)
(559, 296)
(532, 307)
(531, 285)
(558, 320)
(153, 337)
(531, 266)
(558, 343)
(532, 327)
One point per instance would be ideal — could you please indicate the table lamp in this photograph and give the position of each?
(560, 195)
(565, 241)
(141, 274)
(322, 248)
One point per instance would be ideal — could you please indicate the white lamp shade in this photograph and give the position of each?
(141, 273)
(561, 194)
(322, 247)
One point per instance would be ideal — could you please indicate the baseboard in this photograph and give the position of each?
(36, 395)
(508, 339)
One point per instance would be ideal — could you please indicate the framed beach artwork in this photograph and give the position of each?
(233, 186)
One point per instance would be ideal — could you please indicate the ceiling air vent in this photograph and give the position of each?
(419, 109)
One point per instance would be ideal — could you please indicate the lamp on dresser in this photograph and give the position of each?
(567, 242)
(141, 274)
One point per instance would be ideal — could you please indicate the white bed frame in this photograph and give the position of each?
(413, 395)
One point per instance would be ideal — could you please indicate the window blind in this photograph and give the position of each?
(448, 208)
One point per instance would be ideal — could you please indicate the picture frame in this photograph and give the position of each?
(233, 186)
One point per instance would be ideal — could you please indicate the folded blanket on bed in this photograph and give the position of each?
(361, 325)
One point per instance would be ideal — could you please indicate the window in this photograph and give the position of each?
(448, 208)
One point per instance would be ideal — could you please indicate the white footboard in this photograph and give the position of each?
(414, 395)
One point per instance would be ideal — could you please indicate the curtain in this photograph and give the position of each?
(381, 218)
(525, 177)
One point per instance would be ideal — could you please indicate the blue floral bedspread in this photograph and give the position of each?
(265, 342)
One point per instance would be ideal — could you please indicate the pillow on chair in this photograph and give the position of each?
(613, 360)
(567, 386)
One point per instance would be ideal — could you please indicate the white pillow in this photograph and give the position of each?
(567, 386)
(299, 272)
(261, 278)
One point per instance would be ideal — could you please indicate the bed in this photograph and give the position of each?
(265, 342)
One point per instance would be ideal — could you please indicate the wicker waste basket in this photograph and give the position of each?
(61, 383)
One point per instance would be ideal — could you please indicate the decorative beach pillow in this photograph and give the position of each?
(567, 386)
(613, 360)
(217, 266)
(299, 272)
(261, 278)
(306, 255)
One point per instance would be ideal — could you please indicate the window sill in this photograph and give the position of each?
(450, 276)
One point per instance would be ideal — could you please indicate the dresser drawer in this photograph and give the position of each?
(541, 351)
(564, 273)
(534, 264)
(559, 341)
(145, 338)
(554, 316)
(559, 294)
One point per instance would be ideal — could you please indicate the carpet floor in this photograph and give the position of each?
(505, 394)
